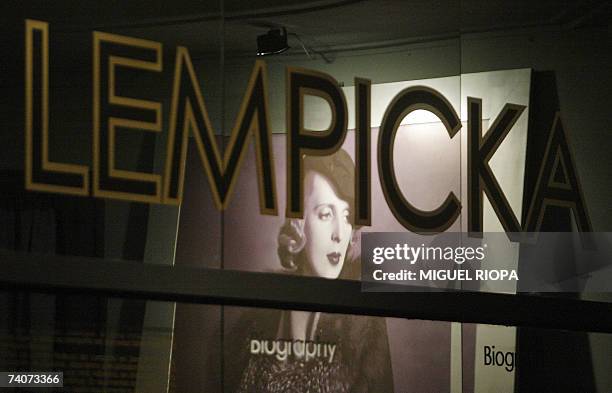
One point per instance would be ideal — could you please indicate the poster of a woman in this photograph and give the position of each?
(238, 349)
(355, 356)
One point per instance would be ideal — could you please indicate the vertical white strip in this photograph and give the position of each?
(456, 361)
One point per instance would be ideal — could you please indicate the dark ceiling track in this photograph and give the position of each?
(303, 7)
(76, 275)
(306, 6)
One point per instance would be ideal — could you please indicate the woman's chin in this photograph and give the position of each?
(328, 270)
(331, 274)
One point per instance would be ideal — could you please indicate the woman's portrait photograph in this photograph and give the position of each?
(322, 244)
(264, 350)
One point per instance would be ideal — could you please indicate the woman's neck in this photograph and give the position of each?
(299, 325)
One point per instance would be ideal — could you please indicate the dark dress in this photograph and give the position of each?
(361, 362)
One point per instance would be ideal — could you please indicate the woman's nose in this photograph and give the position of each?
(336, 229)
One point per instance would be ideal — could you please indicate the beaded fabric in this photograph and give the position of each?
(268, 374)
(361, 363)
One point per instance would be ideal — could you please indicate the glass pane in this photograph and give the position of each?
(551, 166)
(106, 72)
(550, 169)
(122, 128)
(256, 349)
(500, 358)
(333, 45)
(98, 343)
(86, 118)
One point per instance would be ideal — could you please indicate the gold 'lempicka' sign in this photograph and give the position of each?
(557, 182)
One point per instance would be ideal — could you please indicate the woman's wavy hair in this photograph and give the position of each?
(339, 169)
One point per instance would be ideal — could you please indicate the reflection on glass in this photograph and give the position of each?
(309, 351)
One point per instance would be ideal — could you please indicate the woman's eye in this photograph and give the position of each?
(325, 214)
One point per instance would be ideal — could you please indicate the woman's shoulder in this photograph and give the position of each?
(364, 345)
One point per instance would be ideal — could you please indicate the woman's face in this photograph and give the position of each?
(327, 227)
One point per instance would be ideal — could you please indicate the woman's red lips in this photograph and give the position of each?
(334, 257)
